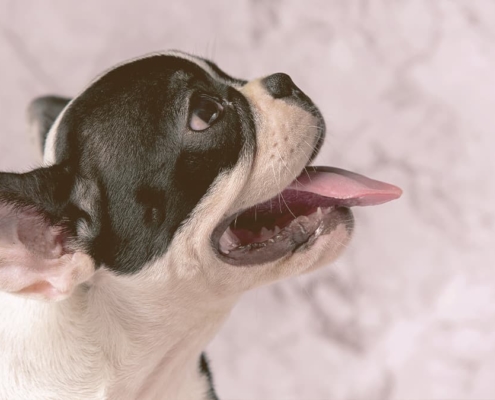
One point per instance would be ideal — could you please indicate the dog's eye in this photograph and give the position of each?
(204, 112)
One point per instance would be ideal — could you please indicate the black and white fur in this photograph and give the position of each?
(116, 229)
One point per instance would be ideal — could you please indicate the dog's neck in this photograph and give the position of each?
(114, 339)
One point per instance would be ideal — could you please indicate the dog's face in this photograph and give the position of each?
(165, 165)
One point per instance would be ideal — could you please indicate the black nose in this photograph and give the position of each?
(279, 85)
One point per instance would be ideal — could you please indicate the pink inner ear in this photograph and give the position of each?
(38, 237)
(34, 258)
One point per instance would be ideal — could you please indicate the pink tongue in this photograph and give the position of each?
(353, 189)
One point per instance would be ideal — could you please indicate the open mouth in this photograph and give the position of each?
(313, 205)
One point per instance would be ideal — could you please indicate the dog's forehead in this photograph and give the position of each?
(190, 62)
(210, 67)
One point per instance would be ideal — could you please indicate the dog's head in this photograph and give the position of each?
(166, 166)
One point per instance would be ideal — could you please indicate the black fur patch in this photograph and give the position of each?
(204, 368)
(127, 137)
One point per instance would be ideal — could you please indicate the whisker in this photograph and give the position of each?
(307, 173)
(278, 185)
(283, 162)
(309, 126)
(287, 206)
(309, 145)
(302, 286)
(275, 177)
(280, 194)
(301, 151)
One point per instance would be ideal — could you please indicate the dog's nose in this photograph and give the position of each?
(279, 85)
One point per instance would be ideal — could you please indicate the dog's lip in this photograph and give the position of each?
(290, 240)
(333, 189)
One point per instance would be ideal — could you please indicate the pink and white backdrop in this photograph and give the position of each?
(408, 90)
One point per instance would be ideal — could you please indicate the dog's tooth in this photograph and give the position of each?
(302, 228)
(264, 232)
(276, 230)
(319, 213)
(223, 243)
(231, 237)
(327, 210)
(299, 233)
(228, 241)
(271, 241)
(302, 219)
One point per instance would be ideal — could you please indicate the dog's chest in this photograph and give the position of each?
(44, 356)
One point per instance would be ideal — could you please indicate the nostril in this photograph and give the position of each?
(279, 85)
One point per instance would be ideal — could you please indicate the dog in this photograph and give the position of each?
(168, 189)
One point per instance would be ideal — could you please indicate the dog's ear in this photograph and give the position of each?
(42, 113)
(39, 255)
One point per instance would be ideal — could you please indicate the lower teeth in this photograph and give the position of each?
(229, 241)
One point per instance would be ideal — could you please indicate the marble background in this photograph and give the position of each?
(408, 90)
